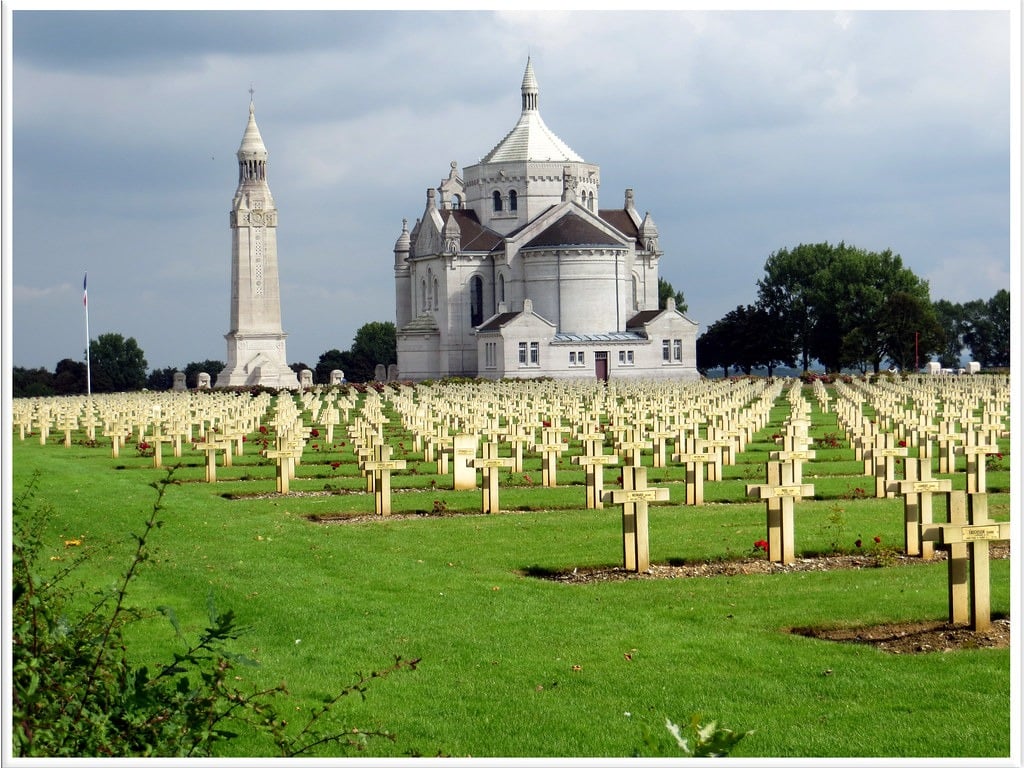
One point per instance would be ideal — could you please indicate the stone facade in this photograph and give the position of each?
(514, 271)
(256, 342)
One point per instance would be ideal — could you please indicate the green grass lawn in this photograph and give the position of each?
(515, 665)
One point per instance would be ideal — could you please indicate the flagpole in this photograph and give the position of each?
(88, 367)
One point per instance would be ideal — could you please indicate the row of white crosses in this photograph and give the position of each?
(154, 418)
(783, 485)
(731, 411)
(934, 411)
(945, 411)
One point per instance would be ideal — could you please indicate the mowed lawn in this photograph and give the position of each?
(517, 665)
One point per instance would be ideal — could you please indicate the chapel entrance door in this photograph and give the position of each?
(601, 365)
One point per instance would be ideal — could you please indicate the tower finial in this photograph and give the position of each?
(529, 88)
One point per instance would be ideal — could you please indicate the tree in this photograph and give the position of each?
(988, 330)
(193, 369)
(69, 377)
(831, 300)
(911, 333)
(161, 379)
(745, 338)
(952, 320)
(374, 344)
(332, 359)
(31, 382)
(117, 364)
(786, 294)
(665, 290)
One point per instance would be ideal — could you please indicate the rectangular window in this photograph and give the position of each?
(629, 357)
(534, 353)
(665, 353)
(522, 353)
(677, 350)
(622, 357)
(572, 358)
(490, 354)
(579, 357)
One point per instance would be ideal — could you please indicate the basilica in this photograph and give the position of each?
(515, 271)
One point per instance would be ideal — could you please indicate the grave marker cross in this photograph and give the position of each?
(633, 498)
(967, 536)
(779, 494)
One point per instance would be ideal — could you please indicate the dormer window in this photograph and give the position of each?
(496, 199)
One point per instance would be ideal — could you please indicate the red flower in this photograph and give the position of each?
(263, 429)
(858, 543)
(314, 432)
(761, 544)
(878, 539)
(335, 464)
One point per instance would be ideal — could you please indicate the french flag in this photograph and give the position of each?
(85, 290)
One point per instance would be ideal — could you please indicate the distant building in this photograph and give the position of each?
(514, 271)
(256, 343)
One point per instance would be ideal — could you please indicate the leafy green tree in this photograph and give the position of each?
(746, 339)
(117, 364)
(665, 290)
(988, 330)
(786, 292)
(69, 377)
(332, 359)
(161, 379)
(375, 343)
(911, 332)
(952, 320)
(831, 299)
(31, 382)
(193, 369)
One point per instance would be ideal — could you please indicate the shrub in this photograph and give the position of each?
(76, 693)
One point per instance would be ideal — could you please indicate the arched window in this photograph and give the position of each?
(513, 200)
(496, 198)
(457, 201)
(590, 201)
(636, 292)
(501, 287)
(476, 301)
(437, 304)
(423, 295)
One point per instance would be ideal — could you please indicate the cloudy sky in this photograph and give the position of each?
(742, 132)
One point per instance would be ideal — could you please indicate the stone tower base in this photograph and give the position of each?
(257, 360)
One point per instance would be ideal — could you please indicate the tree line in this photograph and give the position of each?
(847, 308)
(835, 305)
(117, 364)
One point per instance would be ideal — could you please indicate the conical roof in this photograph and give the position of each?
(252, 141)
(531, 139)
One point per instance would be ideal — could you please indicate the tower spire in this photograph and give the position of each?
(531, 92)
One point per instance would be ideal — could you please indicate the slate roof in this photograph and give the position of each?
(572, 229)
(622, 221)
(642, 318)
(496, 322)
(475, 236)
